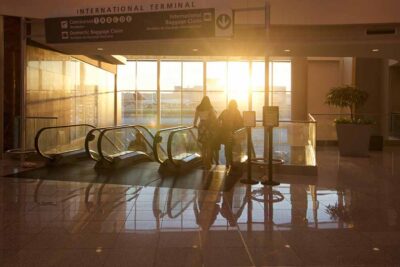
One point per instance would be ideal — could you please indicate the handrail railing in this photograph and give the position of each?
(295, 121)
(311, 118)
(102, 134)
(42, 117)
(32, 125)
(37, 137)
(91, 135)
(157, 140)
(170, 138)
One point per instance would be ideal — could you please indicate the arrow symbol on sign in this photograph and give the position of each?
(224, 21)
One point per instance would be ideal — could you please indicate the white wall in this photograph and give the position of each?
(322, 75)
(306, 12)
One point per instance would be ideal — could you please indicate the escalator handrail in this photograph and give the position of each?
(138, 127)
(157, 140)
(171, 136)
(118, 128)
(90, 133)
(37, 137)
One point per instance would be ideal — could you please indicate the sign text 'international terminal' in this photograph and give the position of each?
(190, 23)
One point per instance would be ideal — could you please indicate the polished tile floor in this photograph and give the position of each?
(347, 216)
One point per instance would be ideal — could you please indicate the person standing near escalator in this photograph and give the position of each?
(229, 121)
(205, 119)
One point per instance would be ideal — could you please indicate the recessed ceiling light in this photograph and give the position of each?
(375, 50)
(287, 50)
(100, 49)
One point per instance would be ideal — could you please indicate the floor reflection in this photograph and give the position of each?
(348, 216)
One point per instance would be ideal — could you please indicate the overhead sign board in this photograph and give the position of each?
(190, 23)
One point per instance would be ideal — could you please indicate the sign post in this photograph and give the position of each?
(270, 120)
(249, 120)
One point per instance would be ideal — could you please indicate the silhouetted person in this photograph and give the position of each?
(206, 120)
(229, 120)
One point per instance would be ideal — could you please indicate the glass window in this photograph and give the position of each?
(146, 108)
(171, 88)
(238, 84)
(258, 87)
(192, 90)
(216, 78)
(192, 76)
(127, 76)
(146, 76)
(281, 85)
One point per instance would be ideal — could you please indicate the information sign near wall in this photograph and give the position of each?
(190, 23)
(271, 116)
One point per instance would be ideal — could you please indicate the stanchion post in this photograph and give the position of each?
(270, 180)
(249, 180)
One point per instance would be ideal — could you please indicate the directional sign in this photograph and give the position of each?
(224, 21)
(192, 23)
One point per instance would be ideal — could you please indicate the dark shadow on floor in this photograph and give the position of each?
(143, 173)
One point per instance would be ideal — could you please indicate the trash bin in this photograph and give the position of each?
(376, 143)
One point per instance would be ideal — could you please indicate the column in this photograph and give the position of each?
(1, 86)
(299, 88)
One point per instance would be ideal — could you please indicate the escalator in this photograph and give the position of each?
(62, 143)
(177, 150)
(122, 144)
(91, 141)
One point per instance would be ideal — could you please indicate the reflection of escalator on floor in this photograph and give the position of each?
(177, 150)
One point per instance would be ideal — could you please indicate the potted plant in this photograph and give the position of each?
(353, 133)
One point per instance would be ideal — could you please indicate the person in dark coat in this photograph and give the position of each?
(229, 121)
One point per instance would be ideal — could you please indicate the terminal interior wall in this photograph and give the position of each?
(70, 90)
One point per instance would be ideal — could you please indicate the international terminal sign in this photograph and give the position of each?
(186, 23)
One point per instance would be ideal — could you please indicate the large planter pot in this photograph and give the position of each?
(353, 139)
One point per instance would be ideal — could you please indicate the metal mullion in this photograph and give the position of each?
(115, 98)
(226, 84)
(136, 90)
(204, 77)
(23, 84)
(180, 110)
(250, 86)
(158, 117)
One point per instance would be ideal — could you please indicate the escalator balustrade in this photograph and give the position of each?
(183, 151)
(62, 143)
(123, 144)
